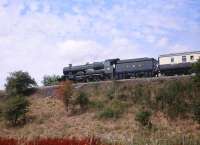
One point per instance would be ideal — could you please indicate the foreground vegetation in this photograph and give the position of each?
(165, 112)
(64, 141)
(93, 141)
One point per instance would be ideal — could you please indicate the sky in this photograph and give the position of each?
(43, 36)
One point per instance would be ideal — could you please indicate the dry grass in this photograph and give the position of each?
(48, 118)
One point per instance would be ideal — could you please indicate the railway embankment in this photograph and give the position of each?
(161, 110)
(47, 91)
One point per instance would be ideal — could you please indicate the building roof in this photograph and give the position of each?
(177, 54)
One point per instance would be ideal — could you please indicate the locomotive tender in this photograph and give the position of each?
(168, 64)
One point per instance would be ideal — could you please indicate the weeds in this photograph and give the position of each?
(114, 110)
(143, 117)
(65, 92)
(99, 105)
(196, 111)
(82, 100)
(48, 141)
(171, 100)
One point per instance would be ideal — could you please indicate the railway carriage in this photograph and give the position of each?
(177, 63)
(168, 64)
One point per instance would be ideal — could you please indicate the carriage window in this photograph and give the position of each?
(191, 57)
(172, 59)
(184, 59)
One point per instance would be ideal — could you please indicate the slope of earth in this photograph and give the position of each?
(48, 118)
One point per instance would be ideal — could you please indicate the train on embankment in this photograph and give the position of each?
(165, 65)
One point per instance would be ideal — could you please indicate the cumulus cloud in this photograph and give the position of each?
(179, 48)
(79, 50)
(42, 37)
(163, 42)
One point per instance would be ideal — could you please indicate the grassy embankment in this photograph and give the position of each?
(117, 113)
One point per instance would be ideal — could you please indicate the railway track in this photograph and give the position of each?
(78, 85)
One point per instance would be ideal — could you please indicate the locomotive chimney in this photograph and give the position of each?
(70, 65)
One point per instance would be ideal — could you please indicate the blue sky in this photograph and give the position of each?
(43, 36)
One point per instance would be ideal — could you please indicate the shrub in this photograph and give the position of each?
(96, 105)
(119, 106)
(51, 80)
(111, 93)
(170, 99)
(115, 109)
(143, 117)
(19, 83)
(108, 113)
(65, 91)
(1, 110)
(82, 100)
(2, 94)
(15, 109)
(141, 94)
(196, 70)
(196, 111)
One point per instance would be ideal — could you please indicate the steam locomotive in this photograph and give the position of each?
(169, 64)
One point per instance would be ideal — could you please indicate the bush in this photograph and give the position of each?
(65, 91)
(1, 110)
(143, 117)
(51, 80)
(196, 111)
(82, 100)
(170, 99)
(115, 110)
(19, 83)
(2, 94)
(196, 70)
(108, 113)
(141, 95)
(96, 105)
(112, 91)
(15, 109)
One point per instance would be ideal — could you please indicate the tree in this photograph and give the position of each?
(82, 100)
(19, 83)
(51, 80)
(15, 109)
(196, 70)
(65, 91)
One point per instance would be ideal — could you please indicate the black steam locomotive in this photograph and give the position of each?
(112, 69)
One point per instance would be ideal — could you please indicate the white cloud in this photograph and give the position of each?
(79, 50)
(163, 42)
(34, 6)
(151, 38)
(46, 38)
(179, 48)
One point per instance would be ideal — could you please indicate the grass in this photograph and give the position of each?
(176, 140)
(49, 119)
(51, 141)
(113, 110)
